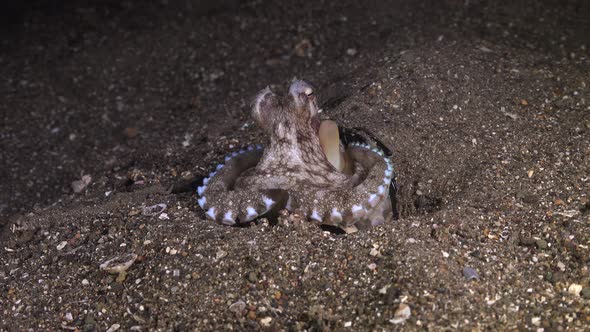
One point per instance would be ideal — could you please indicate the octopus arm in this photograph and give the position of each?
(367, 199)
(225, 204)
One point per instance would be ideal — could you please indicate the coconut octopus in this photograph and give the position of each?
(305, 169)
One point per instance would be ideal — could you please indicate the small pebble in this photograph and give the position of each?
(575, 289)
(114, 328)
(586, 292)
(79, 185)
(153, 210)
(541, 244)
(266, 321)
(85, 282)
(238, 307)
(372, 266)
(374, 252)
(252, 277)
(347, 324)
(469, 273)
(118, 264)
(61, 245)
(402, 313)
(220, 254)
(252, 315)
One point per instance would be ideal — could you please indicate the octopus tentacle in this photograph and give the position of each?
(374, 172)
(333, 207)
(227, 206)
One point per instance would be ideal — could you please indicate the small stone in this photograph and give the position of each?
(524, 102)
(79, 185)
(586, 292)
(238, 307)
(253, 277)
(530, 173)
(575, 289)
(251, 315)
(85, 282)
(153, 210)
(131, 132)
(402, 313)
(61, 245)
(372, 266)
(118, 264)
(541, 244)
(374, 252)
(163, 216)
(561, 266)
(220, 254)
(69, 316)
(114, 328)
(536, 321)
(347, 324)
(469, 273)
(266, 321)
(303, 48)
(351, 51)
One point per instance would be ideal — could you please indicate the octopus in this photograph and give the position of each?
(305, 169)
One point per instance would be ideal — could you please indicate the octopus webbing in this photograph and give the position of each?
(305, 169)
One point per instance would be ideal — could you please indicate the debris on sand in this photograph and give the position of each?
(469, 273)
(238, 307)
(402, 313)
(153, 210)
(79, 185)
(118, 264)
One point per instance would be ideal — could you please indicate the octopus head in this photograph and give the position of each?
(296, 109)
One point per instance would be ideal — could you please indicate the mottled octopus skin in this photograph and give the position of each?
(293, 172)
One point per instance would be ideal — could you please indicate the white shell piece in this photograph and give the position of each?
(252, 214)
